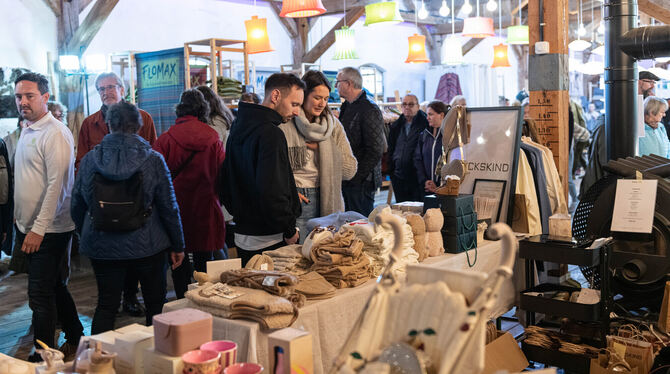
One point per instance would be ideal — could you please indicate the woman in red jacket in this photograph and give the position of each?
(194, 154)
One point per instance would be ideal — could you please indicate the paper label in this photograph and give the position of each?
(634, 205)
(264, 266)
(270, 280)
(588, 296)
(620, 349)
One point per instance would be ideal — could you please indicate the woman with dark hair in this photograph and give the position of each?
(220, 117)
(194, 153)
(429, 147)
(124, 161)
(319, 153)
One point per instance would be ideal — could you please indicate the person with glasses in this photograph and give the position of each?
(364, 126)
(93, 129)
(403, 137)
(646, 83)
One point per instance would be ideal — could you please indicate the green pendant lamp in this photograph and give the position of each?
(518, 34)
(386, 11)
(345, 40)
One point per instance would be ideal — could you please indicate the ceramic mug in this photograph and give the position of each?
(226, 348)
(201, 362)
(243, 368)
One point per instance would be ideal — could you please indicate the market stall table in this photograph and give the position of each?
(329, 321)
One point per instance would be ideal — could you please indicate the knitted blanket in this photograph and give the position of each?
(289, 259)
(269, 310)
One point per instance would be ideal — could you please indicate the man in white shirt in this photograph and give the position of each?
(44, 165)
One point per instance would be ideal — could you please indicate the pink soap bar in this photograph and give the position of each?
(180, 331)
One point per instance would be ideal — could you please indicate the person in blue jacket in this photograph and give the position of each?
(429, 147)
(119, 157)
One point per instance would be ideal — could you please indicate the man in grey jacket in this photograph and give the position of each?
(364, 125)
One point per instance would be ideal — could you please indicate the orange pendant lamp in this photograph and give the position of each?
(257, 35)
(500, 57)
(417, 50)
(301, 8)
(478, 27)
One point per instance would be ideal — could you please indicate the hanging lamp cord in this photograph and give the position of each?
(452, 18)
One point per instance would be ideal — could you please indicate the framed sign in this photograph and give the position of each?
(493, 152)
(488, 195)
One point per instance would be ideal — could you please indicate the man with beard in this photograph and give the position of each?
(43, 186)
(93, 129)
(256, 179)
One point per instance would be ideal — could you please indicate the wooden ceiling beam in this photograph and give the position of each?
(659, 9)
(83, 4)
(470, 45)
(91, 25)
(327, 41)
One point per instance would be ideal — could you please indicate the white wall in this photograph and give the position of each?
(27, 33)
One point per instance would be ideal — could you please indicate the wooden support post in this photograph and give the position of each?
(549, 82)
(246, 64)
(212, 64)
(187, 66)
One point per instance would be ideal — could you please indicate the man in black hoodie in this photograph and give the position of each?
(257, 185)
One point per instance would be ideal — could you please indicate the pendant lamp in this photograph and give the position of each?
(345, 41)
(417, 50)
(444, 9)
(518, 34)
(345, 44)
(387, 11)
(452, 50)
(478, 27)
(579, 45)
(500, 56)
(301, 8)
(257, 35)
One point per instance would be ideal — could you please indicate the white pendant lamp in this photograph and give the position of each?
(579, 45)
(423, 12)
(452, 50)
(491, 6)
(466, 9)
(444, 9)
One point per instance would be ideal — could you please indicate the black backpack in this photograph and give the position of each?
(118, 205)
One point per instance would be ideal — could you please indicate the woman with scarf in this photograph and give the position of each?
(429, 147)
(319, 152)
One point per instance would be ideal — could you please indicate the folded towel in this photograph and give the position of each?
(314, 286)
(342, 248)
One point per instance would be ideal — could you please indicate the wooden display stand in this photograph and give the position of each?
(215, 55)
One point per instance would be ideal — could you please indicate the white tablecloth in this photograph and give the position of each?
(329, 321)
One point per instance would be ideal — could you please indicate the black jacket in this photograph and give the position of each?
(256, 180)
(405, 169)
(6, 209)
(364, 125)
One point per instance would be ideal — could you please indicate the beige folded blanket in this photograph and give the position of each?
(251, 300)
(342, 276)
(274, 321)
(288, 252)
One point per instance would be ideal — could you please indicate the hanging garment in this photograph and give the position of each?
(525, 185)
(597, 159)
(554, 186)
(448, 87)
(534, 156)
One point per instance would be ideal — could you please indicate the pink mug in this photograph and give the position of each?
(226, 348)
(243, 368)
(201, 362)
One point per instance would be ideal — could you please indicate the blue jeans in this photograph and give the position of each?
(110, 275)
(359, 197)
(309, 210)
(48, 296)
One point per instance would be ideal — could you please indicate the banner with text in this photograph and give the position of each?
(160, 82)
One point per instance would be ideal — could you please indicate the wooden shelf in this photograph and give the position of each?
(216, 48)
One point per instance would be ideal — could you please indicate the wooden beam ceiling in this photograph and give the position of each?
(322, 46)
(660, 9)
(470, 45)
(93, 22)
(83, 4)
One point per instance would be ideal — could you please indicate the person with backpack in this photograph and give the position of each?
(194, 153)
(124, 207)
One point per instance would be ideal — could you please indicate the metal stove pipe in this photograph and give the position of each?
(624, 44)
(620, 81)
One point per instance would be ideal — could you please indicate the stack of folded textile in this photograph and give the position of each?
(341, 260)
(227, 87)
(273, 282)
(289, 259)
(270, 311)
(378, 243)
(315, 287)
